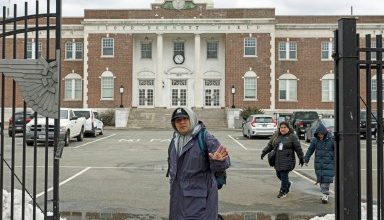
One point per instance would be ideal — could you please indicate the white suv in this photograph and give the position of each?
(93, 125)
(259, 125)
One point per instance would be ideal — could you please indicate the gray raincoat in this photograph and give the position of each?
(193, 188)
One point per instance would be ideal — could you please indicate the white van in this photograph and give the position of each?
(93, 125)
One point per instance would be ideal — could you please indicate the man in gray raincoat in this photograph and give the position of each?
(193, 187)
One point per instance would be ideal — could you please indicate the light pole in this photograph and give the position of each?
(233, 91)
(121, 96)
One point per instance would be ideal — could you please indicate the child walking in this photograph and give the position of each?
(323, 144)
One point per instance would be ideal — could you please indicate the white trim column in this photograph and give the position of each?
(198, 88)
(159, 82)
(85, 71)
(273, 72)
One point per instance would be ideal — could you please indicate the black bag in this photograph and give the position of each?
(272, 158)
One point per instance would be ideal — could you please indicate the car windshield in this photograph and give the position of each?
(308, 115)
(20, 115)
(63, 114)
(328, 122)
(84, 114)
(263, 120)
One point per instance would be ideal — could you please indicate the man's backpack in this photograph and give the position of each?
(221, 176)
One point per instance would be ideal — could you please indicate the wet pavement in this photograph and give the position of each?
(230, 216)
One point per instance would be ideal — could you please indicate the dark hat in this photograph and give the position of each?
(179, 113)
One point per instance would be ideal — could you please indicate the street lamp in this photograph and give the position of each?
(121, 96)
(233, 91)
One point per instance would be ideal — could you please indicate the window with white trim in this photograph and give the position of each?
(146, 50)
(107, 85)
(287, 87)
(107, 47)
(373, 45)
(178, 48)
(287, 50)
(250, 86)
(31, 50)
(327, 88)
(250, 47)
(73, 87)
(73, 50)
(327, 49)
(212, 48)
(374, 88)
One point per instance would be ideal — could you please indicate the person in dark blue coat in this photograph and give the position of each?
(193, 186)
(323, 146)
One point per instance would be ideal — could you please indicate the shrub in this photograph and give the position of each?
(250, 111)
(108, 117)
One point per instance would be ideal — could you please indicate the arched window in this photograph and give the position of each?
(287, 87)
(250, 86)
(73, 87)
(107, 85)
(327, 88)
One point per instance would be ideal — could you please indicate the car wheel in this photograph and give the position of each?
(66, 138)
(80, 137)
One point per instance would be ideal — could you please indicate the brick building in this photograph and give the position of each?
(188, 53)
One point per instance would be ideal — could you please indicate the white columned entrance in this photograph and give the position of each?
(198, 79)
(159, 69)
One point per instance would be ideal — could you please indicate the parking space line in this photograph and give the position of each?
(65, 181)
(308, 179)
(95, 141)
(237, 142)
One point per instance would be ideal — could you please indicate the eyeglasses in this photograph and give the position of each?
(178, 120)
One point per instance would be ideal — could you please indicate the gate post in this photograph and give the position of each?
(348, 202)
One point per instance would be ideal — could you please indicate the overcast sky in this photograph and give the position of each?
(282, 7)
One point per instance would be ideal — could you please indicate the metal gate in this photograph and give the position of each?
(355, 68)
(30, 82)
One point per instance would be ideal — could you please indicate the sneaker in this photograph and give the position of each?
(281, 195)
(324, 199)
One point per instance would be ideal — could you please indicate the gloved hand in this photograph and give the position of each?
(263, 154)
(301, 162)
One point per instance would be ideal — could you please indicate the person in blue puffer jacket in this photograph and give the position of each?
(323, 144)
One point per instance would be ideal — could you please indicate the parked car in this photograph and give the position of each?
(301, 120)
(19, 122)
(259, 125)
(71, 126)
(329, 124)
(363, 123)
(93, 125)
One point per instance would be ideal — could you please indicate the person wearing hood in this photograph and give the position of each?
(323, 146)
(193, 187)
(285, 143)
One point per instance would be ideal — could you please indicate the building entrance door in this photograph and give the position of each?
(212, 93)
(146, 88)
(179, 93)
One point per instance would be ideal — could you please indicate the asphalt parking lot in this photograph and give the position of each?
(123, 173)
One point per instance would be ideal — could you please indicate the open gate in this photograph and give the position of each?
(358, 79)
(30, 73)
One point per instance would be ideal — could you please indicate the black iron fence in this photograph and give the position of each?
(29, 73)
(358, 85)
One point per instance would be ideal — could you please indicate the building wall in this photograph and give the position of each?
(228, 26)
(120, 65)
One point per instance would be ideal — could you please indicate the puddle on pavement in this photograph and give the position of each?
(230, 216)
